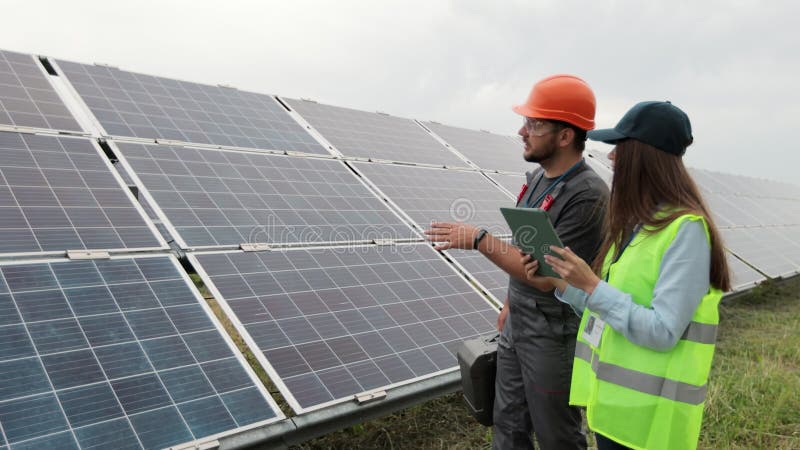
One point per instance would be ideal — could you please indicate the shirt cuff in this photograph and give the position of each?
(574, 297)
(605, 300)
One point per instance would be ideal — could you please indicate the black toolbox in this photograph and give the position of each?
(477, 359)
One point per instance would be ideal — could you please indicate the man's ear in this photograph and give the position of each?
(566, 136)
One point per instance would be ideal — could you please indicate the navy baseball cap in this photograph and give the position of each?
(659, 124)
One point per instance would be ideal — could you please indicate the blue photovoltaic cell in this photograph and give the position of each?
(339, 321)
(144, 106)
(59, 194)
(27, 99)
(116, 354)
(218, 197)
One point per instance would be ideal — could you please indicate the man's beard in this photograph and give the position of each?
(546, 152)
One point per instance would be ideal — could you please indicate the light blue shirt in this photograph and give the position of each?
(683, 280)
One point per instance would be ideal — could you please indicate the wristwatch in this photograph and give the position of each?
(481, 234)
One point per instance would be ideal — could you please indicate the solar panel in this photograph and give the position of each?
(787, 210)
(60, 193)
(488, 276)
(763, 214)
(130, 104)
(710, 181)
(484, 149)
(430, 194)
(117, 353)
(742, 275)
(761, 250)
(367, 135)
(329, 323)
(729, 213)
(785, 241)
(212, 197)
(27, 99)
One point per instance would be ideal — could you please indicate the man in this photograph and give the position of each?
(537, 341)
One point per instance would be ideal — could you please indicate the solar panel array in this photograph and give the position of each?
(486, 150)
(27, 99)
(430, 194)
(375, 136)
(334, 322)
(225, 198)
(129, 104)
(60, 193)
(118, 353)
(124, 352)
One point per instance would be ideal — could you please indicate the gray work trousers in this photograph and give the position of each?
(534, 370)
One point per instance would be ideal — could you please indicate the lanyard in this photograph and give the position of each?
(552, 186)
(624, 246)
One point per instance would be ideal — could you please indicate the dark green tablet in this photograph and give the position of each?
(533, 234)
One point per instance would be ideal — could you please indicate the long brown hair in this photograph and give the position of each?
(646, 178)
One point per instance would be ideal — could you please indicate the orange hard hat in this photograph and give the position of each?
(561, 97)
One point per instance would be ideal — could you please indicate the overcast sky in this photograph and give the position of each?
(733, 66)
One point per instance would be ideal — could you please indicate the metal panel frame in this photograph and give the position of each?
(299, 429)
(273, 374)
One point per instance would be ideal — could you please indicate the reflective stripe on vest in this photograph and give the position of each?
(703, 333)
(583, 351)
(640, 381)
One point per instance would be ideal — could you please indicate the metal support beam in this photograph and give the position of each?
(298, 429)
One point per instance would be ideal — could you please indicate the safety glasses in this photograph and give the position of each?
(538, 127)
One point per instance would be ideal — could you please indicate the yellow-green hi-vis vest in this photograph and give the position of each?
(643, 398)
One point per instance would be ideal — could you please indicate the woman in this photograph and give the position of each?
(649, 300)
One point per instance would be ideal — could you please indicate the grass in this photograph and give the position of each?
(754, 394)
(753, 400)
